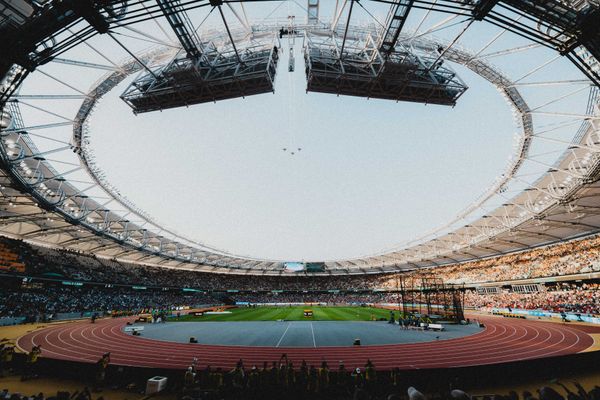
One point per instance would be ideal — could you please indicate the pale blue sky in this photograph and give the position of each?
(371, 173)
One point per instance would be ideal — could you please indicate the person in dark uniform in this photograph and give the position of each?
(358, 378)
(291, 376)
(254, 382)
(395, 377)
(101, 366)
(264, 376)
(30, 370)
(312, 380)
(342, 380)
(370, 377)
(238, 376)
(2, 360)
(323, 382)
(206, 378)
(274, 377)
(302, 379)
(189, 378)
(283, 374)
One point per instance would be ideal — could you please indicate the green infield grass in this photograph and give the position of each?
(293, 313)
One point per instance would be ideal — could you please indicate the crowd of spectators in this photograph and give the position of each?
(581, 256)
(580, 299)
(84, 394)
(283, 379)
(88, 268)
(45, 302)
(312, 297)
(575, 257)
(256, 383)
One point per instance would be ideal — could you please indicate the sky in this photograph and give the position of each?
(371, 174)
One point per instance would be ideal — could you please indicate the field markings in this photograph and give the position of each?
(284, 332)
(313, 334)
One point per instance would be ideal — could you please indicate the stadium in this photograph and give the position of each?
(330, 199)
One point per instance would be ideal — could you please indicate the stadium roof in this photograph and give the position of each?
(54, 200)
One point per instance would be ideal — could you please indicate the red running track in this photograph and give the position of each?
(503, 340)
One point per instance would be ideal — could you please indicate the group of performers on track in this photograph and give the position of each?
(410, 321)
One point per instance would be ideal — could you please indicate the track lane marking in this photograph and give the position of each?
(501, 341)
(284, 332)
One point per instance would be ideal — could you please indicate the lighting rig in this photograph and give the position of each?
(207, 70)
(338, 61)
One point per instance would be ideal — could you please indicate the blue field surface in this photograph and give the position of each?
(298, 333)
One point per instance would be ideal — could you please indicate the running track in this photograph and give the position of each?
(503, 340)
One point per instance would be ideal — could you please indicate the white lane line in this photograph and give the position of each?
(284, 332)
(313, 335)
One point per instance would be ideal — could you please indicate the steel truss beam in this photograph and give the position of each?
(394, 23)
(182, 26)
(504, 221)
